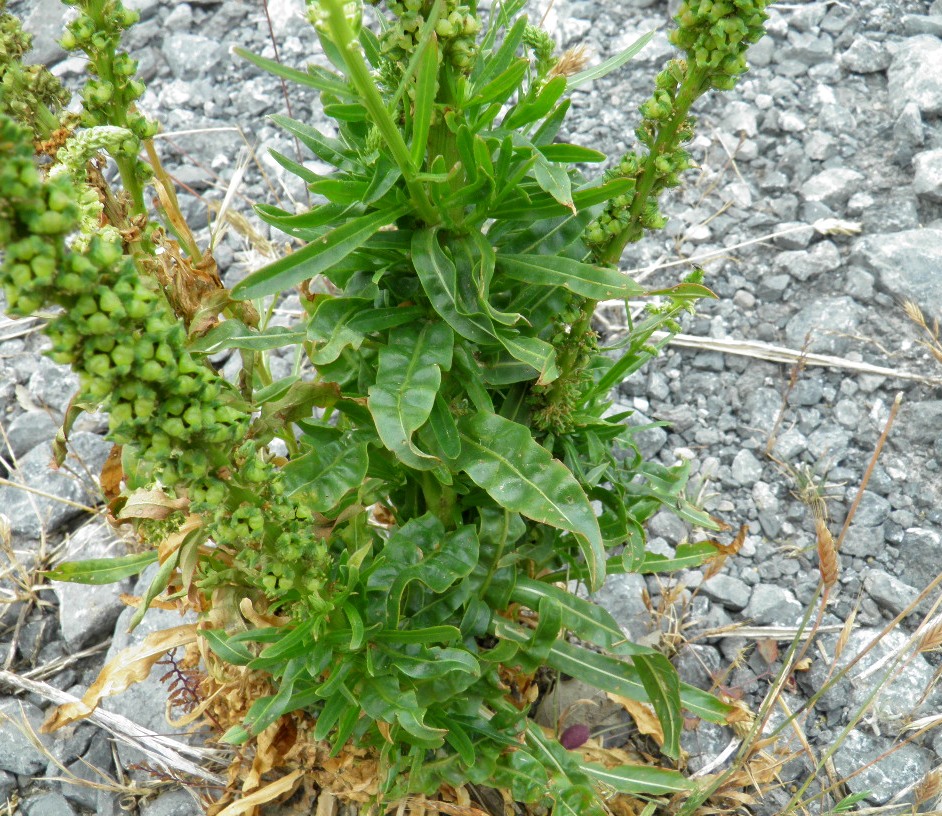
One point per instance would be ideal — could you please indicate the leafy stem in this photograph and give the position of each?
(359, 74)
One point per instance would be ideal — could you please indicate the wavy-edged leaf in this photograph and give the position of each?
(611, 64)
(525, 207)
(235, 334)
(101, 570)
(434, 662)
(439, 278)
(430, 634)
(587, 280)
(330, 327)
(536, 353)
(443, 426)
(408, 377)
(326, 474)
(502, 457)
(317, 257)
(662, 684)
(454, 559)
(640, 779)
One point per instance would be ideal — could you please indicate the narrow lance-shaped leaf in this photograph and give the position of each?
(426, 86)
(662, 684)
(407, 380)
(101, 570)
(612, 63)
(587, 280)
(502, 457)
(317, 257)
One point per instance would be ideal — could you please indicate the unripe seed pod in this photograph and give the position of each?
(174, 427)
(151, 371)
(122, 356)
(99, 323)
(99, 365)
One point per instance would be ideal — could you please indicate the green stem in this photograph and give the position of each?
(691, 88)
(359, 74)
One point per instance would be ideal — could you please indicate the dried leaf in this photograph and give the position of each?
(129, 666)
(112, 474)
(768, 649)
(803, 665)
(263, 795)
(643, 715)
(151, 504)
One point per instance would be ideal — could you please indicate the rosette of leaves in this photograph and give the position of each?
(450, 235)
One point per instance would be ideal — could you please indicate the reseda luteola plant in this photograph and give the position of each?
(452, 458)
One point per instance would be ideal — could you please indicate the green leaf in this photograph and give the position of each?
(321, 81)
(444, 428)
(233, 653)
(587, 280)
(160, 582)
(662, 684)
(302, 172)
(426, 86)
(610, 674)
(555, 180)
(330, 327)
(529, 111)
(536, 353)
(326, 474)
(589, 621)
(408, 376)
(332, 151)
(101, 570)
(436, 662)
(686, 556)
(231, 334)
(502, 457)
(535, 207)
(439, 278)
(430, 634)
(317, 257)
(571, 154)
(500, 89)
(640, 779)
(611, 64)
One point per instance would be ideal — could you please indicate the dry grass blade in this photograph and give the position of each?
(828, 559)
(162, 750)
(931, 639)
(929, 788)
(571, 62)
(782, 354)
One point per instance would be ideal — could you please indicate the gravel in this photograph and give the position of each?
(837, 119)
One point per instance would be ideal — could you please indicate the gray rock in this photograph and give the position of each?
(53, 386)
(17, 753)
(918, 418)
(832, 187)
(807, 49)
(746, 469)
(802, 265)
(649, 438)
(7, 785)
(32, 514)
(906, 264)
(772, 288)
(872, 510)
(914, 24)
(623, 596)
(865, 56)
(909, 133)
(902, 767)
(789, 444)
(826, 322)
(928, 179)
(864, 542)
(915, 75)
(668, 526)
(172, 803)
(888, 591)
(98, 759)
(45, 23)
(799, 237)
(919, 555)
(192, 55)
(29, 430)
(48, 804)
(773, 606)
(88, 612)
(731, 592)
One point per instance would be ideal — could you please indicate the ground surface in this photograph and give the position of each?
(836, 120)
